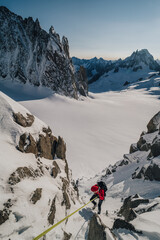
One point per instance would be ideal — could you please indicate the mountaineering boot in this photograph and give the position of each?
(99, 212)
(94, 206)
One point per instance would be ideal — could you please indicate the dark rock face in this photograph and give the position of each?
(142, 145)
(67, 236)
(21, 120)
(154, 123)
(133, 148)
(152, 172)
(128, 205)
(66, 169)
(65, 45)
(75, 186)
(108, 171)
(61, 148)
(52, 212)
(82, 81)
(55, 170)
(27, 144)
(24, 172)
(120, 223)
(66, 200)
(96, 230)
(36, 195)
(35, 56)
(155, 148)
(124, 162)
(47, 145)
(4, 214)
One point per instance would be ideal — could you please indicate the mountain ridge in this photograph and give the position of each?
(121, 74)
(28, 54)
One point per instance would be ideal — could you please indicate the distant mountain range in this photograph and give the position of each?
(30, 55)
(104, 75)
(37, 63)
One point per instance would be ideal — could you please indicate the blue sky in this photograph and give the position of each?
(103, 28)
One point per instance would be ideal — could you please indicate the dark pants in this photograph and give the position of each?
(99, 204)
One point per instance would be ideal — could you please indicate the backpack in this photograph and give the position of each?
(103, 186)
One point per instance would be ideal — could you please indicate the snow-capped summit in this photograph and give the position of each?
(140, 59)
(116, 75)
(30, 55)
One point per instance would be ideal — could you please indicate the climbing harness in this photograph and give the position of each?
(55, 225)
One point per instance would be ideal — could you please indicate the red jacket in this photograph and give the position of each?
(96, 190)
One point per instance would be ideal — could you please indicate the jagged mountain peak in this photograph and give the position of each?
(141, 58)
(143, 54)
(28, 54)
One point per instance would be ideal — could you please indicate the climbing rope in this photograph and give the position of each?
(55, 225)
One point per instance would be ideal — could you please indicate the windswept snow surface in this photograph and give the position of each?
(99, 129)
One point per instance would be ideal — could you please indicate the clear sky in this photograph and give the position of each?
(103, 28)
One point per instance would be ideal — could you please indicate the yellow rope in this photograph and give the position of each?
(55, 225)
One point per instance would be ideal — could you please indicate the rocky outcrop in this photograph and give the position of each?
(55, 169)
(149, 141)
(27, 144)
(129, 203)
(67, 236)
(52, 212)
(66, 200)
(96, 229)
(82, 81)
(155, 148)
(28, 54)
(36, 195)
(47, 146)
(24, 172)
(152, 172)
(60, 148)
(142, 144)
(154, 123)
(4, 214)
(23, 121)
(120, 223)
(133, 148)
(65, 46)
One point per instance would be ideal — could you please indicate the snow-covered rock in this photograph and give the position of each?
(154, 123)
(28, 54)
(36, 191)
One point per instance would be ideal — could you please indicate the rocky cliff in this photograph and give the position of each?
(28, 54)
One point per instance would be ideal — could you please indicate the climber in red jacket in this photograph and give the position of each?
(99, 190)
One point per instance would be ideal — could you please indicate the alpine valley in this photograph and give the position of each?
(67, 123)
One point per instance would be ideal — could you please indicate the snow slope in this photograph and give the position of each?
(26, 219)
(99, 129)
(111, 81)
(121, 184)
